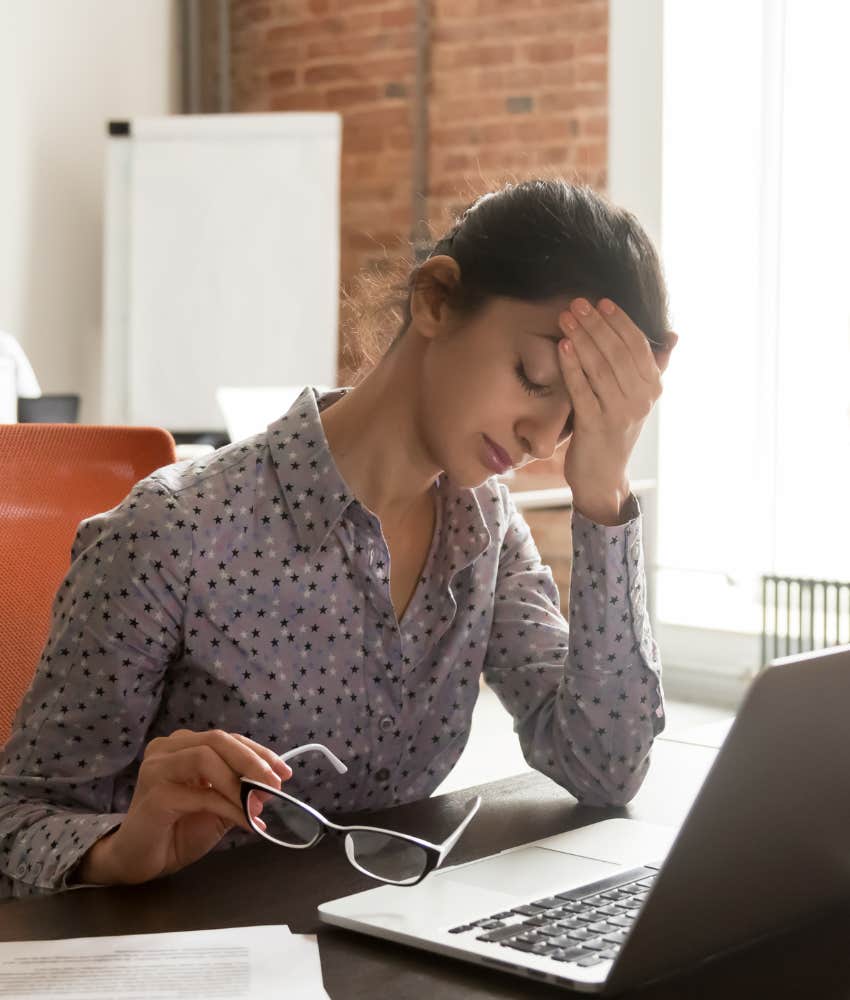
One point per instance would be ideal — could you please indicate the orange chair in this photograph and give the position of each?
(52, 476)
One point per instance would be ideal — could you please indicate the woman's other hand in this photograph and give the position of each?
(187, 797)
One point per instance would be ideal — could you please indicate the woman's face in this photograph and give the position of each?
(495, 377)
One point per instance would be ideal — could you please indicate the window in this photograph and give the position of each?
(754, 429)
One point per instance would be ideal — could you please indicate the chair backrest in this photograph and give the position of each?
(52, 476)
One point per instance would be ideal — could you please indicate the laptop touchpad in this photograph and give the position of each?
(531, 870)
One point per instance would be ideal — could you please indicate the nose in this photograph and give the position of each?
(541, 436)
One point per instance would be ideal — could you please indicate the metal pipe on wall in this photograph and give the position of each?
(223, 56)
(197, 96)
(420, 234)
(191, 56)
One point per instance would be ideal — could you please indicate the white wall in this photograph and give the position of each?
(66, 68)
(635, 145)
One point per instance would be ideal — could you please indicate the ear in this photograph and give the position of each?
(429, 308)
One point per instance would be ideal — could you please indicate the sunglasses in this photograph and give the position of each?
(396, 858)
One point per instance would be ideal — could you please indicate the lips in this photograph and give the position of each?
(500, 460)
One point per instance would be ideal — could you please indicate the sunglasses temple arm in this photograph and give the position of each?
(331, 757)
(448, 844)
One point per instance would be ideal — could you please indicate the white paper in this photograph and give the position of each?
(239, 963)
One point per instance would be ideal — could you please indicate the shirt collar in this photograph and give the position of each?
(317, 495)
(315, 492)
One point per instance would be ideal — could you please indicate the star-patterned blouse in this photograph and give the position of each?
(248, 591)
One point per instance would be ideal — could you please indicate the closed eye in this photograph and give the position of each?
(532, 388)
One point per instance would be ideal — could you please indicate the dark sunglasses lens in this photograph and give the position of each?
(286, 822)
(385, 856)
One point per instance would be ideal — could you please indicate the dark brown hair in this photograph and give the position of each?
(532, 240)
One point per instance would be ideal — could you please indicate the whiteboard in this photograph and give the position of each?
(221, 261)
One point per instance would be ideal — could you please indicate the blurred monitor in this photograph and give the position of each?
(49, 409)
(250, 410)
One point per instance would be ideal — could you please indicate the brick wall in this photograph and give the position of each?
(515, 90)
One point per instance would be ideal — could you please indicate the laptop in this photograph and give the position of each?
(618, 903)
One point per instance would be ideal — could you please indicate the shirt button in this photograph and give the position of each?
(386, 723)
(382, 775)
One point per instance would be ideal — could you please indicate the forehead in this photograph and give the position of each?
(532, 321)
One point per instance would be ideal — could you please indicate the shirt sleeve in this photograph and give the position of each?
(586, 697)
(117, 620)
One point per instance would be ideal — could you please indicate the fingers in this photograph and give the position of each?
(279, 766)
(584, 399)
(614, 350)
(174, 801)
(605, 356)
(633, 337)
(196, 766)
(245, 757)
(208, 763)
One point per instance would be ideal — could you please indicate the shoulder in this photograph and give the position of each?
(183, 491)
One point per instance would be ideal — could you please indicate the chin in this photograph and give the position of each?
(469, 475)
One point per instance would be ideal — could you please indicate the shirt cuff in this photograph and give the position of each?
(53, 848)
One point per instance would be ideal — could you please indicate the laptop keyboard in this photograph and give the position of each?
(586, 925)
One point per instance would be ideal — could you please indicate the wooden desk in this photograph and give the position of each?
(262, 884)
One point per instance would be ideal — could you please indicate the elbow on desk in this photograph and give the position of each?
(612, 791)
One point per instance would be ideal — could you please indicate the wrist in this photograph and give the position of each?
(608, 507)
(98, 865)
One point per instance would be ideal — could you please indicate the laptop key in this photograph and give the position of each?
(617, 938)
(548, 902)
(501, 933)
(580, 934)
(592, 959)
(571, 906)
(609, 953)
(569, 955)
(544, 948)
(553, 931)
(520, 945)
(529, 910)
(597, 945)
(568, 925)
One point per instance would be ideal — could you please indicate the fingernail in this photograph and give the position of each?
(582, 307)
(606, 306)
(569, 321)
(566, 345)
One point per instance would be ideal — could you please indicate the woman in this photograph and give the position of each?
(346, 576)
